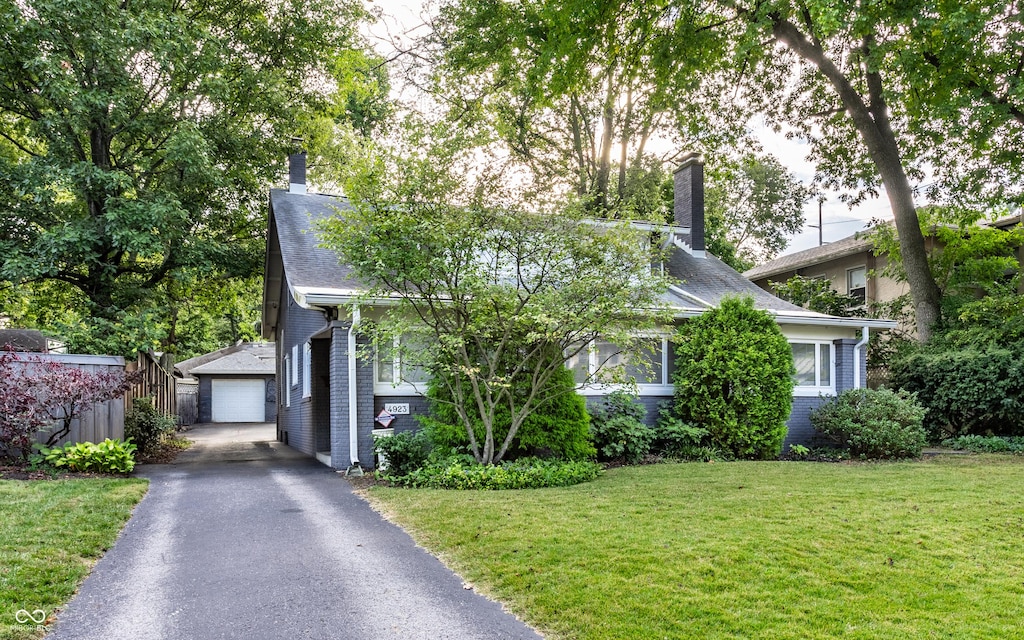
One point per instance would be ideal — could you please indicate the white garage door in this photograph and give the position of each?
(238, 401)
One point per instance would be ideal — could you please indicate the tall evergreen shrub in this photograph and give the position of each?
(734, 377)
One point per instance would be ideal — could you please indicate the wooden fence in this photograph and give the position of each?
(188, 402)
(157, 382)
(105, 419)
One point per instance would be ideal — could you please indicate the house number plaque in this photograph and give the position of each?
(397, 408)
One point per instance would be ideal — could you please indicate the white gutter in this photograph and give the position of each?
(353, 415)
(856, 357)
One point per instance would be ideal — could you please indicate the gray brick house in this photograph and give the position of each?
(328, 394)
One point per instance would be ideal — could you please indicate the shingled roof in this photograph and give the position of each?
(241, 362)
(293, 249)
(857, 243)
(315, 277)
(707, 280)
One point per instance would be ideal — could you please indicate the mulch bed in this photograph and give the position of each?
(366, 481)
(15, 469)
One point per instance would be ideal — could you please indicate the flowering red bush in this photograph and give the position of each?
(38, 394)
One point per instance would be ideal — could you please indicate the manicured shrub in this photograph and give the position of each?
(146, 426)
(559, 428)
(733, 377)
(109, 456)
(873, 423)
(525, 473)
(971, 390)
(618, 431)
(405, 452)
(985, 444)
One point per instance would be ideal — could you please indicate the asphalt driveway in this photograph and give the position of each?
(246, 538)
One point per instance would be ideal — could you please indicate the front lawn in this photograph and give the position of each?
(745, 550)
(51, 534)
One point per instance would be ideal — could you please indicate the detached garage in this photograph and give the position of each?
(238, 386)
(237, 400)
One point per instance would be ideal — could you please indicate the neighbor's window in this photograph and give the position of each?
(813, 362)
(857, 282)
(307, 356)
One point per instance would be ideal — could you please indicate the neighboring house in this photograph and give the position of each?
(29, 340)
(850, 265)
(330, 394)
(236, 384)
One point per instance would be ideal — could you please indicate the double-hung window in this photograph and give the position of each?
(295, 364)
(287, 383)
(307, 366)
(857, 282)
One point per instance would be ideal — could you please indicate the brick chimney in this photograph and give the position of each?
(297, 172)
(688, 201)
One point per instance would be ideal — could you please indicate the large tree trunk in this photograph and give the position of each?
(871, 120)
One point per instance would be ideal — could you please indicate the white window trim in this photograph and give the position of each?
(849, 289)
(819, 389)
(666, 388)
(399, 387)
(287, 384)
(307, 356)
(295, 365)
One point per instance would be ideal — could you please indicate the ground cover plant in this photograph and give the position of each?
(744, 550)
(51, 533)
(985, 444)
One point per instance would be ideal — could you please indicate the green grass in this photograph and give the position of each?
(51, 534)
(745, 550)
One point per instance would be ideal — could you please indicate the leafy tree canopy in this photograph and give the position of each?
(137, 141)
(883, 92)
(753, 206)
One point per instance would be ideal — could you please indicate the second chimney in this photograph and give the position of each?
(688, 201)
(297, 173)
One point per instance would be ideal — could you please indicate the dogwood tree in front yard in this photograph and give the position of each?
(475, 273)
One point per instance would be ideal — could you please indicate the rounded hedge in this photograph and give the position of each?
(734, 377)
(873, 423)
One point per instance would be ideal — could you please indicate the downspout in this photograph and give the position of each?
(856, 357)
(353, 391)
